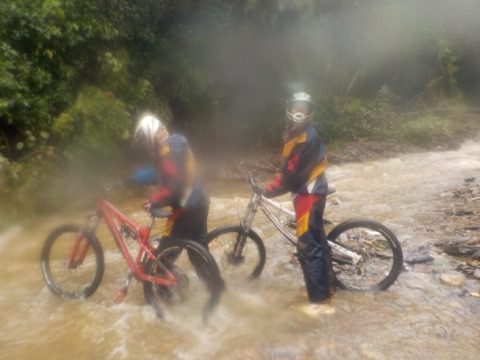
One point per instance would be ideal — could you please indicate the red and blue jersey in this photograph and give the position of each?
(177, 175)
(303, 165)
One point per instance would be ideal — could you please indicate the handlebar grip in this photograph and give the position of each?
(251, 180)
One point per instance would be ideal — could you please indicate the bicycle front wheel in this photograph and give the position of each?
(72, 262)
(239, 254)
(379, 255)
(198, 283)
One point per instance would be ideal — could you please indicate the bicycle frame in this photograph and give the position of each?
(115, 218)
(257, 200)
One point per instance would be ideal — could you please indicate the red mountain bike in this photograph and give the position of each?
(72, 261)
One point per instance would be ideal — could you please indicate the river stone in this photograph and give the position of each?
(476, 273)
(476, 255)
(418, 258)
(453, 279)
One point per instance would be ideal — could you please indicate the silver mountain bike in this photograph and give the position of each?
(366, 255)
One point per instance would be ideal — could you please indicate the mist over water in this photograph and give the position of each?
(321, 47)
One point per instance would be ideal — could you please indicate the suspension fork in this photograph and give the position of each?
(246, 224)
(80, 246)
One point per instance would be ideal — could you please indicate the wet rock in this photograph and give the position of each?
(453, 279)
(460, 249)
(476, 255)
(418, 258)
(468, 268)
(460, 212)
(476, 274)
(415, 285)
(419, 255)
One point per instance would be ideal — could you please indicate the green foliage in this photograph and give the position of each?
(94, 127)
(443, 83)
(135, 92)
(25, 184)
(355, 118)
(425, 130)
(46, 48)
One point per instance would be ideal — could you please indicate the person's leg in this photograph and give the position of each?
(318, 231)
(313, 250)
(191, 224)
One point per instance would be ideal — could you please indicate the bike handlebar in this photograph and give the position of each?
(253, 183)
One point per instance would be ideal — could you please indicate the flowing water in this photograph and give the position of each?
(419, 317)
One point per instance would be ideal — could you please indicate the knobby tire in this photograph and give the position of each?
(54, 266)
(382, 257)
(221, 242)
(169, 256)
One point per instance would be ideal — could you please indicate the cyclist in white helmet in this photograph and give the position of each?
(178, 184)
(303, 175)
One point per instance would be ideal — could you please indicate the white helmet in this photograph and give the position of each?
(300, 100)
(146, 128)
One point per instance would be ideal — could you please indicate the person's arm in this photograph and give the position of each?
(289, 175)
(146, 175)
(305, 159)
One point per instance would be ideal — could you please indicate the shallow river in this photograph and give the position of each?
(419, 317)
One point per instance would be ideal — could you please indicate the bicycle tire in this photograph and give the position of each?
(58, 277)
(381, 255)
(203, 277)
(221, 242)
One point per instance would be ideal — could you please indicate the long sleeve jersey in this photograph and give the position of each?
(177, 174)
(303, 166)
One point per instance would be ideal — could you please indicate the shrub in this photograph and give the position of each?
(355, 119)
(425, 130)
(94, 128)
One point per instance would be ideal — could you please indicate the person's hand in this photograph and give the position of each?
(147, 206)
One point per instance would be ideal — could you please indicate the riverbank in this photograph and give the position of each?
(263, 162)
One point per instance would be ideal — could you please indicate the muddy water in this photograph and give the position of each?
(419, 317)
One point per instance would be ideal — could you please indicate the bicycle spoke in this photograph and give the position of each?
(376, 262)
(239, 256)
(72, 263)
(194, 289)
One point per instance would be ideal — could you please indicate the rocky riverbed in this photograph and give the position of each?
(462, 212)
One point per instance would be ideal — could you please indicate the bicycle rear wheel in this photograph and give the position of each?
(380, 253)
(247, 262)
(198, 282)
(72, 262)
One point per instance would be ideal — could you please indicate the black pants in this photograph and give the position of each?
(313, 250)
(190, 224)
